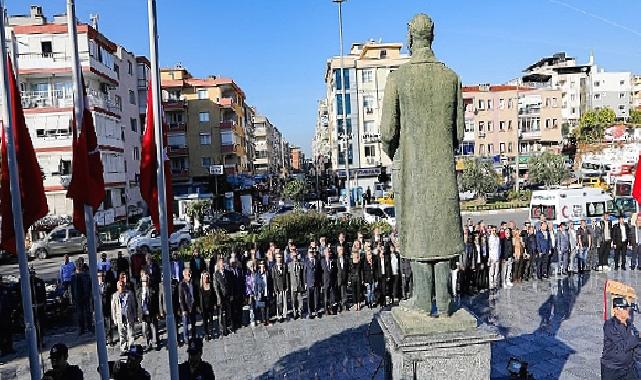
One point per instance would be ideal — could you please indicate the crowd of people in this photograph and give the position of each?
(499, 256)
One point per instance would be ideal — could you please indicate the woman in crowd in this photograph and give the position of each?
(356, 275)
(207, 303)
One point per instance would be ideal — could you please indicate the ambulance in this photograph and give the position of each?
(570, 204)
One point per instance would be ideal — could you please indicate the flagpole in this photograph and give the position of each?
(92, 253)
(172, 348)
(16, 209)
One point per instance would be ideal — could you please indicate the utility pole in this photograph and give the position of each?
(518, 140)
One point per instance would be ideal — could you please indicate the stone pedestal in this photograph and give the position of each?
(420, 347)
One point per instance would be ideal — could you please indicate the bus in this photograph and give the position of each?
(569, 204)
(623, 200)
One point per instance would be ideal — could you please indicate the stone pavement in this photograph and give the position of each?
(555, 325)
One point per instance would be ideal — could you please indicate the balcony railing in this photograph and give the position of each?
(228, 124)
(175, 150)
(64, 99)
(229, 148)
(227, 102)
(531, 135)
(169, 104)
(177, 127)
(142, 84)
(180, 173)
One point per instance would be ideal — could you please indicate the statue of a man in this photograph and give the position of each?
(422, 125)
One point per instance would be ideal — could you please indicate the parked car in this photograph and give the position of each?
(375, 213)
(61, 240)
(267, 217)
(334, 211)
(141, 227)
(231, 222)
(150, 241)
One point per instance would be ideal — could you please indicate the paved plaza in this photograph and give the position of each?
(554, 325)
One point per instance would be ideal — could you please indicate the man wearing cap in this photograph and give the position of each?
(60, 369)
(195, 368)
(620, 340)
(131, 369)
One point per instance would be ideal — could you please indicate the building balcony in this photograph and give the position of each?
(179, 174)
(142, 84)
(371, 138)
(227, 102)
(177, 151)
(532, 135)
(64, 99)
(230, 149)
(174, 104)
(229, 124)
(178, 127)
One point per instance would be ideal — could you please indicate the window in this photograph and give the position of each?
(132, 97)
(622, 82)
(368, 127)
(547, 102)
(597, 96)
(130, 68)
(339, 104)
(136, 154)
(205, 162)
(117, 70)
(383, 54)
(502, 148)
(227, 138)
(368, 76)
(482, 148)
(555, 123)
(489, 104)
(481, 126)
(74, 234)
(40, 132)
(621, 107)
(490, 128)
(118, 101)
(47, 49)
(202, 94)
(370, 151)
(490, 148)
(572, 97)
(368, 104)
(469, 126)
(205, 139)
(481, 104)
(509, 103)
(64, 167)
(510, 148)
(203, 117)
(554, 104)
(501, 103)
(547, 123)
(502, 125)
(509, 125)
(339, 83)
(597, 84)
(134, 124)
(621, 95)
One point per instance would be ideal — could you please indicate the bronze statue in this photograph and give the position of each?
(422, 125)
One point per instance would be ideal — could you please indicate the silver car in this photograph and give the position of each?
(61, 240)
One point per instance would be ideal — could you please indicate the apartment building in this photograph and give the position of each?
(366, 68)
(612, 90)
(636, 92)
(206, 119)
(44, 66)
(266, 159)
(297, 159)
(501, 119)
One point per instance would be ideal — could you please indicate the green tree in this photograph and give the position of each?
(294, 190)
(635, 116)
(592, 125)
(548, 169)
(479, 177)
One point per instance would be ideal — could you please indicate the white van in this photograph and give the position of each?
(374, 213)
(569, 204)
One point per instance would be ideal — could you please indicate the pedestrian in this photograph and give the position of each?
(584, 245)
(368, 195)
(238, 292)
(122, 264)
(131, 369)
(597, 242)
(329, 281)
(507, 259)
(494, 258)
(279, 276)
(620, 238)
(223, 288)
(384, 270)
(106, 292)
(296, 273)
(563, 249)
(187, 305)
(519, 259)
(544, 250)
(532, 251)
(104, 264)
(67, 270)
(370, 274)
(313, 280)
(207, 302)
(194, 368)
(60, 368)
(149, 311)
(81, 295)
(197, 266)
(635, 261)
(342, 277)
(262, 292)
(123, 312)
(620, 341)
(606, 246)
(483, 271)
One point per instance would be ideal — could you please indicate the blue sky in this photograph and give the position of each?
(276, 49)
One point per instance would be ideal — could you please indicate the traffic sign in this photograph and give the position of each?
(215, 169)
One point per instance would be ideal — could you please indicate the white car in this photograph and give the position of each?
(375, 213)
(150, 241)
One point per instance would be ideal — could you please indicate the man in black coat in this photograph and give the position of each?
(279, 276)
(238, 295)
(195, 368)
(313, 280)
(107, 290)
(620, 237)
(223, 286)
(81, 295)
(187, 305)
(342, 276)
(329, 280)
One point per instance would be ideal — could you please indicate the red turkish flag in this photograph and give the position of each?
(149, 167)
(87, 185)
(32, 192)
(636, 189)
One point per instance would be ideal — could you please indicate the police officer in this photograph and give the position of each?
(620, 339)
(195, 368)
(60, 369)
(131, 369)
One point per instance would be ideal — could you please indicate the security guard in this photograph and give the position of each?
(60, 369)
(620, 339)
(131, 369)
(195, 368)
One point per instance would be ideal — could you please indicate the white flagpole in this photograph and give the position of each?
(172, 348)
(16, 208)
(79, 107)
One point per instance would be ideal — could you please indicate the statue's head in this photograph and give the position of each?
(421, 32)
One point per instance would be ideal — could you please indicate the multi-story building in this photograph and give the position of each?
(265, 140)
(297, 159)
(611, 90)
(249, 143)
(366, 68)
(44, 66)
(500, 118)
(636, 91)
(206, 119)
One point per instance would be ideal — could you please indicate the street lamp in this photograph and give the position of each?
(344, 102)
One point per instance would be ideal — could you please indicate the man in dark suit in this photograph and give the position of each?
(238, 292)
(223, 288)
(620, 237)
(187, 304)
(604, 252)
(384, 272)
(342, 242)
(342, 276)
(279, 276)
(329, 280)
(313, 279)
(296, 279)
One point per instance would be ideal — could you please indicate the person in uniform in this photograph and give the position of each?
(60, 368)
(195, 368)
(620, 340)
(131, 369)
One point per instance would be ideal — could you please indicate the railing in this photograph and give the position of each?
(64, 99)
(177, 127)
(532, 135)
(228, 124)
(174, 150)
(227, 102)
(179, 173)
(174, 103)
(142, 84)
